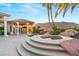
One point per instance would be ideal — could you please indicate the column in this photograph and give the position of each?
(31, 29)
(12, 28)
(5, 18)
(17, 27)
(27, 29)
(8, 26)
(20, 28)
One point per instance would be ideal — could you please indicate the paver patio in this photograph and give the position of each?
(8, 44)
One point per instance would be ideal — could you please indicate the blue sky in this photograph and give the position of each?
(35, 12)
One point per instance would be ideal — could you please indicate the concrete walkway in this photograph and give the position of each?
(8, 44)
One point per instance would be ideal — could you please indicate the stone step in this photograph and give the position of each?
(39, 39)
(45, 46)
(43, 52)
(22, 52)
(45, 41)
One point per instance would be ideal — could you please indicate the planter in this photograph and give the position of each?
(54, 37)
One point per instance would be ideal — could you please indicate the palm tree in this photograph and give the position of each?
(60, 7)
(50, 16)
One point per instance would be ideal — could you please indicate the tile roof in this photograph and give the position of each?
(20, 20)
(4, 14)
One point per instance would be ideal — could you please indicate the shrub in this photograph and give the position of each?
(1, 30)
(77, 29)
(37, 30)
(57, 31)
(34, 30)
(53, 37)
(30, 35)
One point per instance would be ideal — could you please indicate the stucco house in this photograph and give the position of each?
(17, 26)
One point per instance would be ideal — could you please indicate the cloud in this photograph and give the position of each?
(38, 6)
(27, 6)
(5, 4)
(34, 10)
(15, 10)
(30, 8)
(22, 7)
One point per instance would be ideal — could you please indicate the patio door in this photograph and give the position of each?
(23, 30)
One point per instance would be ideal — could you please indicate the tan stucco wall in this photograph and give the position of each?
(28, 27)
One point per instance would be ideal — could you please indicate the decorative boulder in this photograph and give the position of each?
(69, 32)
(76, 35)
(71, 46)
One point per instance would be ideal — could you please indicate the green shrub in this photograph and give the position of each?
(36, 30)
(57, 31)
(77, 29)
(53, 37)
(1, 30)
(30, 35)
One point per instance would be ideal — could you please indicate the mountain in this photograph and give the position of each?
(47, 27)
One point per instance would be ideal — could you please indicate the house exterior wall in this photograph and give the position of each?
(27, 28)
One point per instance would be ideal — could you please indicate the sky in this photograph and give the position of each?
(36, 13)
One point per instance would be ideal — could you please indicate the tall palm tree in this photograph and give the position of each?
(50, 16)
(60, 7)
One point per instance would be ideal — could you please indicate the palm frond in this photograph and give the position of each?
(72, 7)
(44, 4)
(78, 4)
(58, 5)
(60, 9)
(49, 5)
(66, 9)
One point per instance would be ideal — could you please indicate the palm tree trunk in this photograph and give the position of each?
(50, 17)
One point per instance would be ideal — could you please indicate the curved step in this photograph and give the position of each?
(43, 51)
(45, 46)
(50, 41)
(45, 41)
(22, 52)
